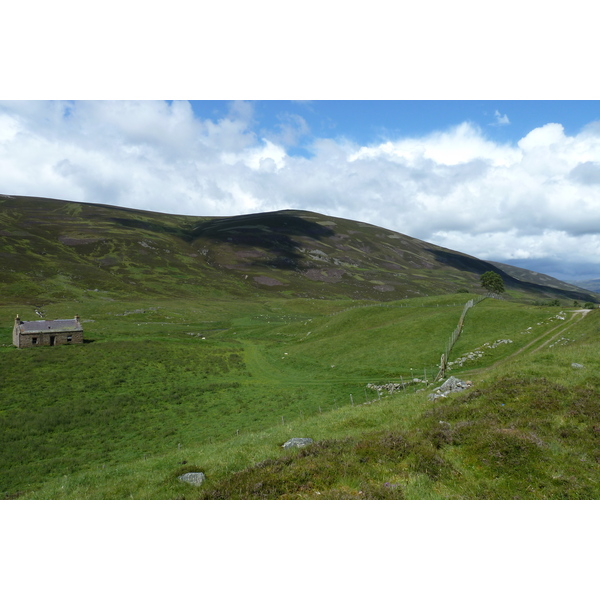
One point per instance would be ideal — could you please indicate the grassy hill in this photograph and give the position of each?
(204, 363)
(54, 250)
(162, 390)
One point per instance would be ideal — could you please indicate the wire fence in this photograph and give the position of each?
(456, 334)
(413, 382)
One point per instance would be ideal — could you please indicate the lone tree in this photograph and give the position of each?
(492, 282)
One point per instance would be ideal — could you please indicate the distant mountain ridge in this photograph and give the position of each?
(546, 280)
(592, 285)
(54, 249)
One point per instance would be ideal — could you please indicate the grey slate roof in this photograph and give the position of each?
(55, 325)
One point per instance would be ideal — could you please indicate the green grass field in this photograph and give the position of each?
(165, 387)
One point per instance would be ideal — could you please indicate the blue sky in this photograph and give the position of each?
(369, 121)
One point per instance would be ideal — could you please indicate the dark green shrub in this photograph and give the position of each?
(492, 282)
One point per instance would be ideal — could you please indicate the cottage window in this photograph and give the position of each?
(69, 338)
(33, 341)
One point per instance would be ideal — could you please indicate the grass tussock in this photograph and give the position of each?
(515, 438)
(327, 470)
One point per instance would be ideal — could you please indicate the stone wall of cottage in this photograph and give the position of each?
(43, 339)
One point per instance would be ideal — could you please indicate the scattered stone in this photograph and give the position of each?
(298, 442)
(477, 353)
(561, 342)
(450, 386)
(392, 388)
(577, 366)
(196, 479)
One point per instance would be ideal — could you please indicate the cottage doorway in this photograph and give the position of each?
(52, 338)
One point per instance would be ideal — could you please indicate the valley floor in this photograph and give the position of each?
(166, 388)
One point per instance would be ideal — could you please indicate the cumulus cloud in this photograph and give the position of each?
(586, 173)
(500, 119)
(458, 145)
(536, 200)
(290, 129)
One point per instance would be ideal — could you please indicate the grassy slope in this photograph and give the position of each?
(147, 397)
(53, 251)
(146, 401)
(528, 429)
(147, 381)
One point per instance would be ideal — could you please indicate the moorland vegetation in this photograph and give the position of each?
(204, 363)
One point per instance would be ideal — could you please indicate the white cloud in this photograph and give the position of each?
(543, 137)
(587, 173)
(268, 157)
(500, 119)
(290, 129)
(538, 199)
(460, 144)
(9, 128)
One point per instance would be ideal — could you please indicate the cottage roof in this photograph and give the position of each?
(54, 325)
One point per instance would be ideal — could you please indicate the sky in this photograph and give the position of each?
(511, 181)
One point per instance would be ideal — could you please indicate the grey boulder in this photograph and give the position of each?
(451, 385)
(193, 478)
(298, 442)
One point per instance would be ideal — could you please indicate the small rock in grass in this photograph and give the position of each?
(452, 383)
(298, 442)
(576, 366)
(193, 478)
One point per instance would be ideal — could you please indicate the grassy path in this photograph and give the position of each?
(263, 370)
(582, 313)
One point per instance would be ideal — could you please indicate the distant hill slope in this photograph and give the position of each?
(545, 280)
(53, 249)
(592, 285)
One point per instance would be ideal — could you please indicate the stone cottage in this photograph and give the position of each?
(47, 333)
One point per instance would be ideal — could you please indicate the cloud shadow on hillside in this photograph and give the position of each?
(271, 232)
(462, 262)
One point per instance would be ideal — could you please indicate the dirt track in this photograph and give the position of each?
(559, 329)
